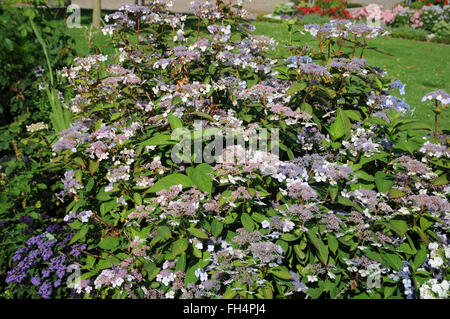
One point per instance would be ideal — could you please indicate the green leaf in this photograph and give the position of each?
(373, 255)
(247, 222)
(164, 232)
(299, 252)
(333, 243)
(315, 292)
(93, 167)
(137, 199)
(297, 86)
(202, 181)
(420, 257)
(190, 274)
(422, 234)
(229, 293)
(107, 207)
(198, 233)
(230, 218)
(341, 125)
(395, 193)
(320, 246)
(281, 272)
(80, 235)
(259, 218)
(171, 180)
(103, 196)
(441, 180)
(204, 168)
(399, 226)
(384, 182)
(109, 243)
(289, 237)
(334, 190)
(179, 246)
(174, 122)
(90, 261)
(267, 292)
(181, 263)
(79, 161)
(159, 139)
(116, 116)
(216, 228)
(354, 115)
(103, 264)
(345, 201)
(389, 291)
(9, 45)
(415, 125)
(152, 270)
(425, 223)
(392, 260)
(89, 185)
(408, 146)
(203, 115)
(407, 249)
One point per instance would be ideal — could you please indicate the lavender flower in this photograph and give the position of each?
(438, 95)
(315, 70)
(297, 61)
(46, 290)
(265, 251)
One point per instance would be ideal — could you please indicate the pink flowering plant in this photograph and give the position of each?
(343, 196)
(374, 12)
(425, 18)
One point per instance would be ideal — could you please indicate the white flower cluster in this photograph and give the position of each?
(199, 273)
(165, 278)
(361, 141)
(83, 216)
(37, 127)
(438, 254)
(110, 277)
(432, 289)
(82, 285)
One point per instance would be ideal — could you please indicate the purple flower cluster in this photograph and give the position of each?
(315, 70)
(38, 260)
(352, 65)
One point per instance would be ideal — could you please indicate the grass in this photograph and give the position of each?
(422, 66)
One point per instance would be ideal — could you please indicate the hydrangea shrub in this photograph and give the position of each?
(346, 197)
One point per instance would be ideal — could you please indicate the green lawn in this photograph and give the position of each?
(422, 66)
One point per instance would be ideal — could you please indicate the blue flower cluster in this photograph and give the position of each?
(406, 279)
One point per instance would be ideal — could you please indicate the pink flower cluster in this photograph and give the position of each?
(415, 20)
(374, 12)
